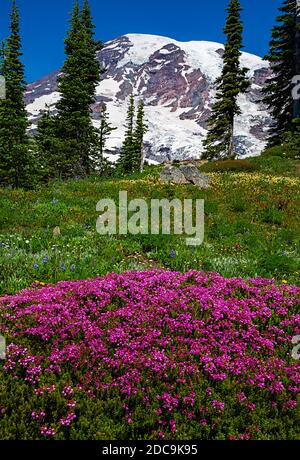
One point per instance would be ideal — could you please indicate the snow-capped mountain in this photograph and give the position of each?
(176, 80)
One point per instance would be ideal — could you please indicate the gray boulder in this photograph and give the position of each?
(170, 174)
(193, 176)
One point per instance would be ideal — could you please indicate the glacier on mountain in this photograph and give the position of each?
(176, 81)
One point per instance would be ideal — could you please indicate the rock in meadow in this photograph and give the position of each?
(56, 232)
(171, 174)
(193, 176)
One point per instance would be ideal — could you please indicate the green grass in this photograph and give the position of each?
(251, 228)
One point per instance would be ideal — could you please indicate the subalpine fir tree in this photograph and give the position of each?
(297, 100)
(92, 68)
(15, 159)
(75, 143)
(284, 58)
(88, 24)
(138, 137)
(48, 146)
(127, 158)
(105, 130)
(233, 81)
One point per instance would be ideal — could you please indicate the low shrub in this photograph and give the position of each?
(291, 144)
(290, 147)
(229, 165)
(151, 355)
(274, 151)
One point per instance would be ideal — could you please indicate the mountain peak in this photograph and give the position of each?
(176, 80)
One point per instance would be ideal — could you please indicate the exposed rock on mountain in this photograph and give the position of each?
(176, 81)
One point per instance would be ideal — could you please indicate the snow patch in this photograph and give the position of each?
(41, 102)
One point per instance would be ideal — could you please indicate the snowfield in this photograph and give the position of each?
(176, 80)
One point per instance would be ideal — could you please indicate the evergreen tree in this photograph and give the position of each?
(232, 82)
(297, 101)
(126, 161)
(87, 21)
(284, 60)
(75, 143)
(138, 137)
(92, 69)
(48, 146)
(105, 130)
(15, 161)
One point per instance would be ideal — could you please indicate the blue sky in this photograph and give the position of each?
(44, 24)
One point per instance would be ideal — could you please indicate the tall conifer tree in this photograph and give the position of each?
(105, 130)
(128, 152)
(297, 52)
(75, 140)
(284, 58)
(138, 137)
(15, 159)
(232, 82)
(87, 21)
(48, 146)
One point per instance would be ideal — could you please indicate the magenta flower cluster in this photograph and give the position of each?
(157, 335)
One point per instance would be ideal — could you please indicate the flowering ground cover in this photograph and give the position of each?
(148, 355)
(157, 354)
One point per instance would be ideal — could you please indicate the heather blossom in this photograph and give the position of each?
(66, 421)
(67, 391)
(173, 343)
(38, 415)
(47, 431)
(218, 405)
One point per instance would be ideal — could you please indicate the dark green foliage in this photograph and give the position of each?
(105, 130)
(15, 161)
(276, 164)
(17, 401)
(291, 141)
(127, 156)
(229, 165)
(87, 22)
(138, 137)
(273, 151)
(285, 63)
(103, 417)
(49, 147)
(131, 158)
(289, 146)
(75, 143)
(296, 112)
(232, 82)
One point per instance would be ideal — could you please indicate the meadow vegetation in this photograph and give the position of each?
(251, 227)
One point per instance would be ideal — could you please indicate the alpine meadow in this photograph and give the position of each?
(149, 225)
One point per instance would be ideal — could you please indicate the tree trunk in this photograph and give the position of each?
(142, 160)
(101, 142)
(231, 152)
